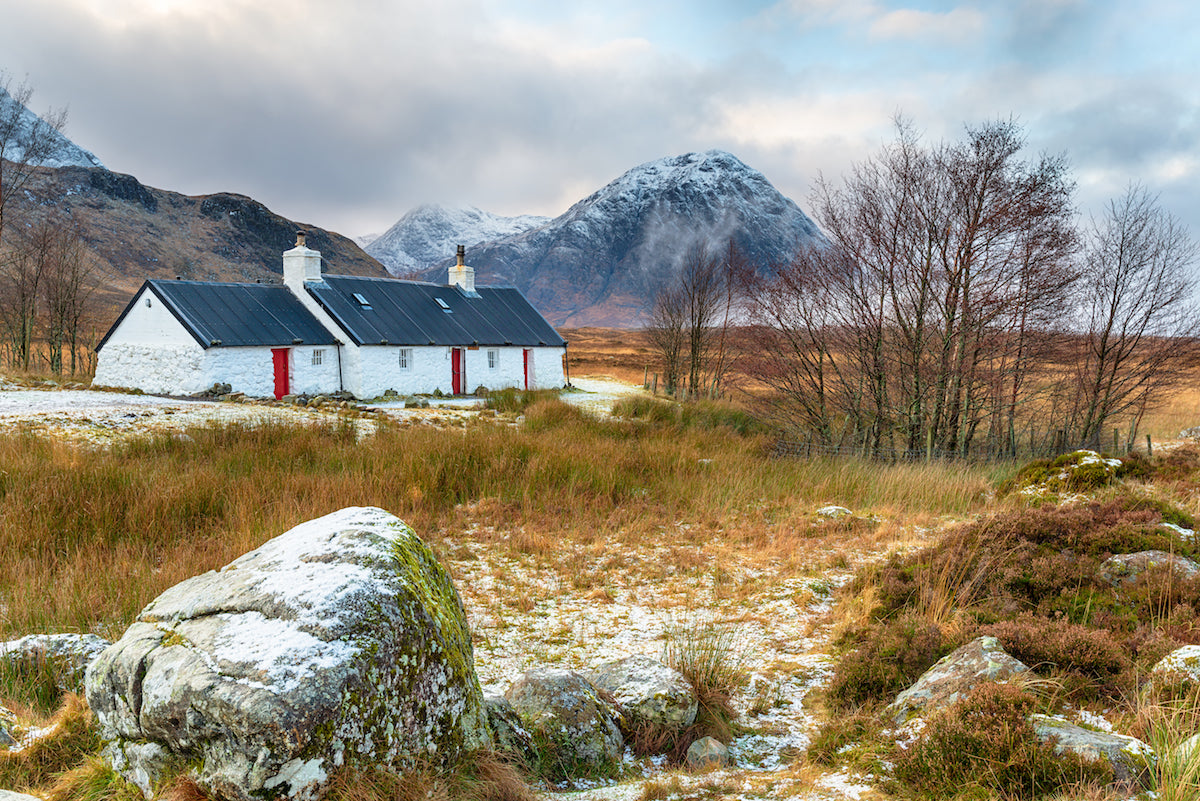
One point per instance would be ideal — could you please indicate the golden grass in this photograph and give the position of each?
(92, 536)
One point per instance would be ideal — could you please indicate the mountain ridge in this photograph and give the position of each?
(600, 262)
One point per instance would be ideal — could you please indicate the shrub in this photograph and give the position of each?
(515, 401)
(893, 656)
(647, 409)
(985, 741)
(1086, 659)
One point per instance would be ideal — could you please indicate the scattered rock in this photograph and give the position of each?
(8, 795)
(1130, 758)
(1180, 666)
(341, 641)
(982, 659)
(509, 732)
(564, 711)
(649, 692)
(707, 752)
(1126, 567)
(833, 511)
(73, 653)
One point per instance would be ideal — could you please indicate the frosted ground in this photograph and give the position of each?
(526, 611)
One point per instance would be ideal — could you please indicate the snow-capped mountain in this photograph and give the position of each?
(430, 233)
(18, 125)
(601, 261)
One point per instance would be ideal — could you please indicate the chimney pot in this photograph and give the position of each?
(462, 254)
(300, 239)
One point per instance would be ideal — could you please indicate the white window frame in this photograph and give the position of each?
(318, 357)
(404, 359)
(493, 358)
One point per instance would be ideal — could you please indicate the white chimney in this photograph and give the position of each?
(300, 265)
(461, 275)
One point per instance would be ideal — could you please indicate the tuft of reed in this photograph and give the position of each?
(709, 656)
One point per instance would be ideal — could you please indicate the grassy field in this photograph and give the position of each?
(687, 510)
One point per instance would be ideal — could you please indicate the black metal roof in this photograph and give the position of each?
(398, 312)
(232, 315)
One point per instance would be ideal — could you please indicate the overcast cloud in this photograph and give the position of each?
(347, 114)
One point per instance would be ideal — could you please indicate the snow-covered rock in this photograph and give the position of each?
(649, 692)
(564, 712)
(72, 653)
(1124, 568)
(1180, 666)
(341, 641)
(952, 677)
(833, 512)
(1130, 758)
(431, 232)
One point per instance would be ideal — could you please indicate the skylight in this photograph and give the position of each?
(445, 306)
(366, 304)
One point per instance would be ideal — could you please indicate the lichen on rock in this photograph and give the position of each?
(340, 642)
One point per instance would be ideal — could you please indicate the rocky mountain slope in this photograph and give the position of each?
(598, 263)
(430, 233)
(137, 232)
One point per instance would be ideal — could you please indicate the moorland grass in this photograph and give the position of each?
(91, 536)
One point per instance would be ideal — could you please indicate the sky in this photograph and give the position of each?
(345, 114)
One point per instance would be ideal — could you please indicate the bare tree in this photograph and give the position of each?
(689, 319)
(26, 142)
(68, 282)
(1139, 311)
(921, 308)
(666, 331)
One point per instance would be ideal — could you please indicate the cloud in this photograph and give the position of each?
(959, 27)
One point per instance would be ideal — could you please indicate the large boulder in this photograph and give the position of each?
(1130, 758)
(341, 641)
(952, 677)
(649, 693)
(567, 715)
(1124, 568)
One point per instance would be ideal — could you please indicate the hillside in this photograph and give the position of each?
(137, 232)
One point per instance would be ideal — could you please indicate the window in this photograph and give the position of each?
(493, 358)
(366, 304)
(318, 357)
(445, 306)
(406, 358)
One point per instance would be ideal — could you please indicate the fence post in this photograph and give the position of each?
(1149, 447)
(1116, 441)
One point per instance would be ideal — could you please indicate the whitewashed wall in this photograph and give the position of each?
(160, 369)
(380, 371)
(310, 379)
(546, 368)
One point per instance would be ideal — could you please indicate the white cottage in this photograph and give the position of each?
(319, 333)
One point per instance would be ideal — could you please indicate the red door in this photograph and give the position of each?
(279, 356)
(456, 371)
(526, 352)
